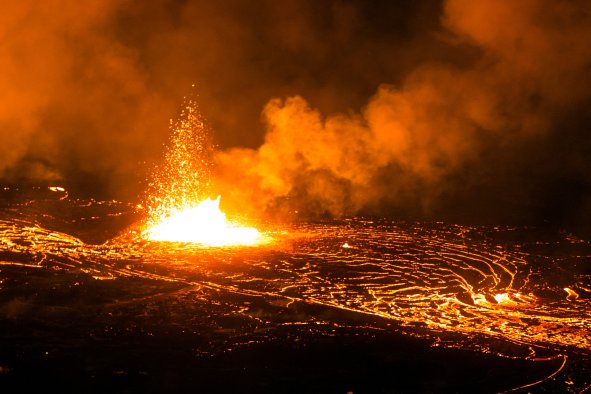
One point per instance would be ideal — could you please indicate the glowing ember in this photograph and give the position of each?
(178, 210)
(502, 298)
(205, 224)
(572, 295)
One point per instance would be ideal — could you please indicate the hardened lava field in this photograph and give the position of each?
(362, 305)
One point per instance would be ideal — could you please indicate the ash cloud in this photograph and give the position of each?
(88, 89)
(74, 102)
(458, 110)
(500, 135)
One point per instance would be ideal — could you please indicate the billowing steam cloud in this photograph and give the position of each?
(74, 99)
(445, 131)
(481, 109)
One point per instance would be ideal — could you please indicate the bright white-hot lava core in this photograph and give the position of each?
(178, 211)
(205, 224)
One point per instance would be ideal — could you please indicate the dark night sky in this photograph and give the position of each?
(460, 110)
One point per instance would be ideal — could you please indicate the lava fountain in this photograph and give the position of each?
(205, 224)
(178, 203)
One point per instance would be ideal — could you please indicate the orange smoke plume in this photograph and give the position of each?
(408, 140)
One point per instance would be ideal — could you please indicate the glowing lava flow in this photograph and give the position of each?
(205, 224)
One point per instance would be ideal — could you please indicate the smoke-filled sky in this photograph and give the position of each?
(459, 109)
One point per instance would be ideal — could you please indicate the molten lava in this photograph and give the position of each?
(205, 224)
(178, 209)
